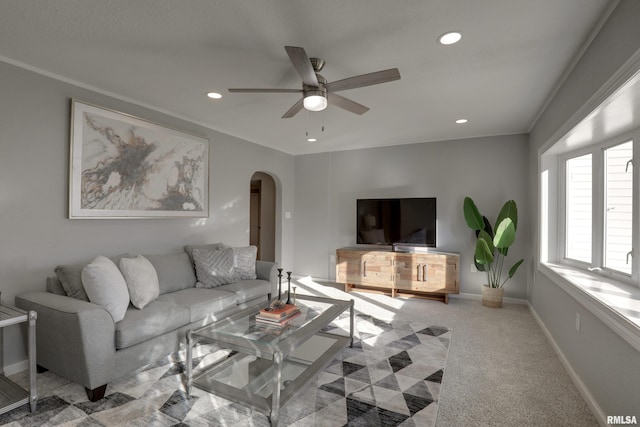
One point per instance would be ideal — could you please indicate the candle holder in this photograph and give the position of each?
(294, 295)
(289, 287)
(279, 284)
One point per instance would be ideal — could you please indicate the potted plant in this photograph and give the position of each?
(492, 246)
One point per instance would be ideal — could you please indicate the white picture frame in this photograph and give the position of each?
(122, 166)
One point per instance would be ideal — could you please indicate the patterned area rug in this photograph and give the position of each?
(391, 377)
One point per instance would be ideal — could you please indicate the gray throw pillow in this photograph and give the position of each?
(213, 267)
(105, 286)
(142, 280)
(70, 276)
(244, 262)
(211, 246)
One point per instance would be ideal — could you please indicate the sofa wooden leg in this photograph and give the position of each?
(41, 369)
(97, 393)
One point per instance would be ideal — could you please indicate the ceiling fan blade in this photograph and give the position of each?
(347, 104)
(302, 64)
(266, 90)
(294, 109)
(364, 80)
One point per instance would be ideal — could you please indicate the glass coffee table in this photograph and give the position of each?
(269, 365)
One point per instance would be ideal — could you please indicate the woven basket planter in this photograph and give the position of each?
(492, 297)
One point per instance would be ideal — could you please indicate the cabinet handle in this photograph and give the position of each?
(425, 273)
(364, 268)
(419, 272)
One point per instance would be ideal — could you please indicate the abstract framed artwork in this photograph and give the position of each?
(122, 166)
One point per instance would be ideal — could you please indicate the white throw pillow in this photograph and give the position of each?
(244, 262)
(106, 287)
(213, 267)
(142, 280)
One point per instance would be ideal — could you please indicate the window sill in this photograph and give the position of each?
(616, 304)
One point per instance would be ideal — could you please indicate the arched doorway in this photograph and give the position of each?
(262, 217)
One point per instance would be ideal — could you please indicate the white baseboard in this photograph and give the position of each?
(575, 378)
(478, 297)
(16, 367)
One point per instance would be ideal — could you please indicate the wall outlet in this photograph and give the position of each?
(578, 322)
(332, 257)
(474, 269)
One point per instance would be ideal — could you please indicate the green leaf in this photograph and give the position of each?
(472, 215)
(480, 267)
(487, 226)
(505, 234)
(513, 269)
(487, 238)
(483, 255)
(509, 210)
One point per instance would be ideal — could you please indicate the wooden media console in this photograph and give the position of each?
(432, 275)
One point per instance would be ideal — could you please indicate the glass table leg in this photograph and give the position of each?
(189, 362)
(352, 322)
(275, 396)
(33, 394)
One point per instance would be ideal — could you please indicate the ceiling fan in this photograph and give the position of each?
(317, 92)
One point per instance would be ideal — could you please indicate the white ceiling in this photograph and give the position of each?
(166, 54)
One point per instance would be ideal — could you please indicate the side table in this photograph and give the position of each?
(11, 394)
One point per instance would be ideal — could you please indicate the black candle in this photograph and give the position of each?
(279, 284)
(289, 289)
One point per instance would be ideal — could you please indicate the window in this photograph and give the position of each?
(599, 209)
(579, 206)
(618, 223)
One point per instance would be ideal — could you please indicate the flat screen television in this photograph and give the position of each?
(409, 221)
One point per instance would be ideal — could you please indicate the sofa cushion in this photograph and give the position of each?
(247, 290)
(214, 267)
(157, 318)
(244, 262)
(142, 280)
(70, 276)
(175, 271)
(106, 287)
(201, 302)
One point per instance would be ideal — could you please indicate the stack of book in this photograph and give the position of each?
(277, 317)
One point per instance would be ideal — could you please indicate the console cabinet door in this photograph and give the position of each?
(427, 272)
(377, 269)
(366, 268)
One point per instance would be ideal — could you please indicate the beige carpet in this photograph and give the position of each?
(501, 370)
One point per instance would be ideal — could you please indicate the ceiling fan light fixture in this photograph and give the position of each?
(315, 102)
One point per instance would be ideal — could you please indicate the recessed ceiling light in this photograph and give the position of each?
(451, 37)
(311, 139)
(214, 95)
(461, 121)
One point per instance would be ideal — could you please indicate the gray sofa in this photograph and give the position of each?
(80, 341)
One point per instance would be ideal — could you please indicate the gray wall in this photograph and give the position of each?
(491, 170)
(35, 232)
(606, 363)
